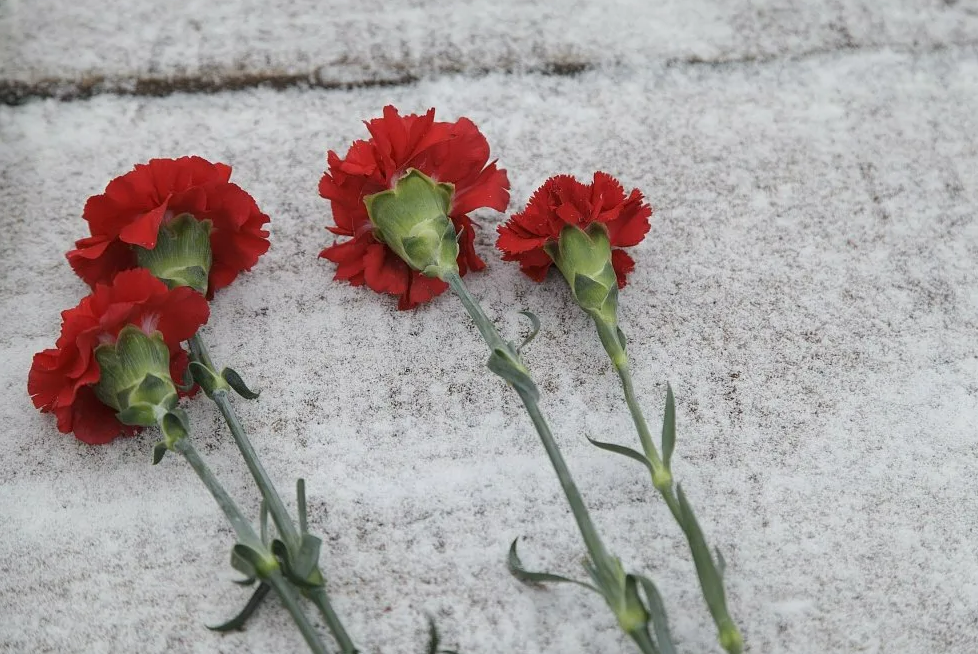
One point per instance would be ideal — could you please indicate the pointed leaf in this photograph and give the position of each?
(710, 578)
(657, 612)
(432, 636)
(158, 451)
(517, 570)
(205, 378)
(241, 560)
(621, 449)
(234, 381)
(247, 581)
(505, 362)
(621, 339)
(238, 621)
(534, 329)
(263, 521)
(669, 428)
(300, 492)
(308, 556)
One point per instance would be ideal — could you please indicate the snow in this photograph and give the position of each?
(808, 288)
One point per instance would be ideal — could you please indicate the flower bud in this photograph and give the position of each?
(182, 256)
(412, 219)
(584, 258)
(135, 377)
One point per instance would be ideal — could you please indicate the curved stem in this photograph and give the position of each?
(246, 534)
(280, 515)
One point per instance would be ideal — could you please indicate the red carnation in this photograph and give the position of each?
(456, 153)
(562, 200)
(135, 205)
(61, 378)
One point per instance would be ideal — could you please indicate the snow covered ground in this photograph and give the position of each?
(810, 288)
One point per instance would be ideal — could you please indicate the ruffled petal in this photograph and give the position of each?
(136, 204)
(61, 379)
(562, 201)
(455, 153)
(623, 265)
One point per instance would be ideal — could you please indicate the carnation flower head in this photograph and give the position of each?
(455, 154)
(62, 379)
(563, 201)
(133, 207)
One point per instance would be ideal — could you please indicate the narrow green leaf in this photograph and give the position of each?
(657, 611)
(517, 570)
(204, 377)
(434, 640)
(669, 428)
(308, 555)
(300, 492)
(505, 363)
(621, 338)
(234, 381)
(238, 621)
(158, 451)
(263, 521)
(247, 581)
(242, 558)
(710, 578)
(721, 562)
(432, 636)
(534, 329)
(621, 449)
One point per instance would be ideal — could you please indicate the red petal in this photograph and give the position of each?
(95, 423)
(623, 265)
(145, 228)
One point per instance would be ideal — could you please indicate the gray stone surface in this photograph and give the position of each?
(808, 288)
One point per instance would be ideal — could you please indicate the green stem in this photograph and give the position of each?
(242, 528)
(291, 601)
(599, 555)
(319, 597)
(246, 534)
(663, 481)
(280, 515)
(661, 476)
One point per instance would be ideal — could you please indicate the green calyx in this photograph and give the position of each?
(135, 377)
(182, 256)
(412, 219)
(584, 258)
